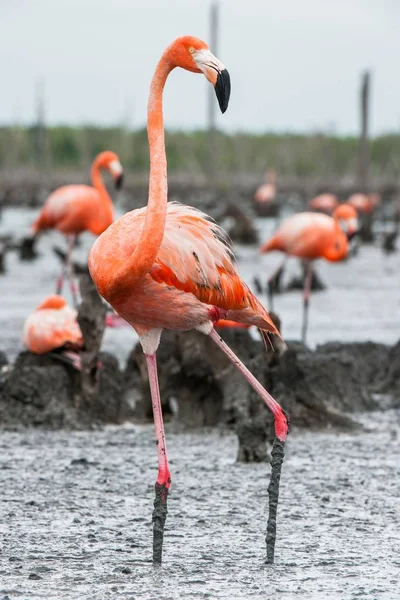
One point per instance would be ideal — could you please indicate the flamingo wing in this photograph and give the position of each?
(196, 256)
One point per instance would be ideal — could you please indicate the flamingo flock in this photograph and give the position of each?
(171, 266)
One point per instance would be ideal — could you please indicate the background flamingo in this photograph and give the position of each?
(364, 203)
(325, 203)
(309, 236)
(169, 266)
(266, 193)
(53, 326)
(73, 209)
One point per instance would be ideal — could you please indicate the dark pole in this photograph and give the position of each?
(40, 127)
(212, 129)
(363, 173)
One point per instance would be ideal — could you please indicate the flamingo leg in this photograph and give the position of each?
(281, 431)
(70, 270)
(163, 482)
(306, 299)
(273, 283)
(60, 280)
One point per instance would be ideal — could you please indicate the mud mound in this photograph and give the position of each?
(43, 391)
(388, 380)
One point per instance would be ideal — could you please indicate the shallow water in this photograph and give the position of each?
(75, 513)
(361, 302)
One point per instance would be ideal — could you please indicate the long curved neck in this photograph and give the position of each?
(145, 253)
(107, 214)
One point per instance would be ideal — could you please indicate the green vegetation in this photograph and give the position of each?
(290, 154)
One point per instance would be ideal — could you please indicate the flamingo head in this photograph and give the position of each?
(55, 301)
(110, 162)
(346, 216)
(192, 54)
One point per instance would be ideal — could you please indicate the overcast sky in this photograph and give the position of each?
(295, 65)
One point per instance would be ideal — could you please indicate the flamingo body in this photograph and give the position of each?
(52, 325)
(266, 193)
(364, 203)
(310, 235)
(192, 282)
(324, 203)
(73, 209)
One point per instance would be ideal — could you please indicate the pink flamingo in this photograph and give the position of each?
(73, 209)
(169, 266)
(364, 203)
(52, 326)
(310, 236)
(325, 203)
(266, 193)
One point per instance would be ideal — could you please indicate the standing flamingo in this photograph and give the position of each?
(325, 203)
(364, 203)
(73, 209)
(309, 236)
(52, 326)
(169, 266)
(266, 193)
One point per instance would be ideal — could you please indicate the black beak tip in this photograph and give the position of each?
(353, 234)
(119, 181)
(223, 89)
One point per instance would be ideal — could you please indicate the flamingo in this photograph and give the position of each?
(266, 193)
(310, 236)
(325, 203)
(73, 209)
(52, 326)
(170, 266)
(364, 203)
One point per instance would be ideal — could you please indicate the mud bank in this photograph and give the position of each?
(75, 512)
(199, 387)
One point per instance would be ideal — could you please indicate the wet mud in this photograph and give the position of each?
(76, 507)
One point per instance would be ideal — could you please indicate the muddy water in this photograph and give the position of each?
(75, 517)
(361, 302)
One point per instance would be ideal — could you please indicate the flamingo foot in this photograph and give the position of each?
(159, 517)
(277, 454)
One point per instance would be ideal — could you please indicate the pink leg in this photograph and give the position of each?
(306, 299)
(70, 270)
(163, 482)
(60, 280)
(281, 431)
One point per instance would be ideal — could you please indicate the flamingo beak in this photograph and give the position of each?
(119, 179)
(350, 227)
(117, 172)
(217, 74)
(223, 89)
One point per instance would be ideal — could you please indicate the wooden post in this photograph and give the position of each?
(40, 128)
(212, 104)
(363, 172)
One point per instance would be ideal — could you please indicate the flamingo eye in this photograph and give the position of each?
(192, 50)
